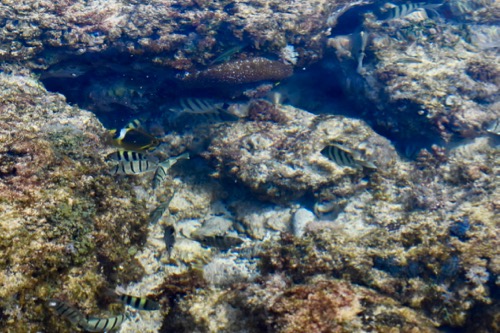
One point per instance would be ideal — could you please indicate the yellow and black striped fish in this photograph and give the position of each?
(139, 303)
(161, 171)
(102, 324)
(133, 137)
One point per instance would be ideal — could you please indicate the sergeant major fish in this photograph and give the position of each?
(398, 11)
(132, 163)
(161, 171)
(156, 214)
(343, 156)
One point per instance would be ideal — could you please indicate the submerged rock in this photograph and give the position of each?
(278, 155)
(66, 224)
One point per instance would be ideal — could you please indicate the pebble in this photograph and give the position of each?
(301, 219)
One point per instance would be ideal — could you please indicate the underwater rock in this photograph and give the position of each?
(66, 224)
(301, 219)
(239, 72)
(279, 154)
(423, 81)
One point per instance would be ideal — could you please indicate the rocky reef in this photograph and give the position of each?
(425, 76)
(66, 225)
(343, 171)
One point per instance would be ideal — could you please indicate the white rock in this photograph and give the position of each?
(301, 219)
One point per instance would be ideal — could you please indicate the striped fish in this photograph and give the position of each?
(139, 303)
(133, 167)
(128, 156)
(339, 155)
(156, 214)
(161, 170)
(343, 157)
(198, 106)
(398, 11)
(66, 311)
(222, 243)
(102, 324)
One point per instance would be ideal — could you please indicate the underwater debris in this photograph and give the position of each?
(133, 137)
(161, 171)
(240, 72)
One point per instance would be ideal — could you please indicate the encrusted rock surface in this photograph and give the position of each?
(66, 225)
(177, 33)
(428, 78)
(409, 245)
(277, 153)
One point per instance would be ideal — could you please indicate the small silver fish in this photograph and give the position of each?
(156, 214)
(226, 55)
(161, 170)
